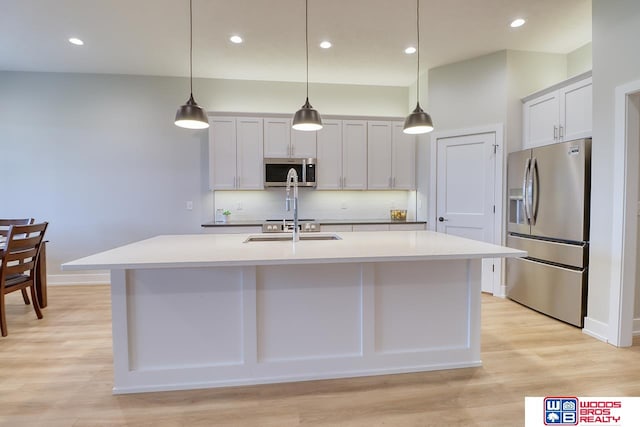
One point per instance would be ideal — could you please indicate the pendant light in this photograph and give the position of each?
(191, 115)
(418, 121)
(306, 118)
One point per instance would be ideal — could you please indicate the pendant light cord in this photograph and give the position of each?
(306, 35)
(418, 48)
(191, 47)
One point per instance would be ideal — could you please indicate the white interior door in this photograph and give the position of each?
(465, 196)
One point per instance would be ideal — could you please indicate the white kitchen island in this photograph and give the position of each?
(196, 311)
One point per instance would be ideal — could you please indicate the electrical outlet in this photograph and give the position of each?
(238, 206)
(343, 205)
(189, 205)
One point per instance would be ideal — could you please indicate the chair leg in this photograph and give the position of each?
(36, 305)
(3, 319)
(25, 297)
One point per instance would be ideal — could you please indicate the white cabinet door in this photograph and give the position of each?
(540, 120)
(576, 110)
(222, 153)
(277, 137)
(403, 158)
(329, 160)
(354, 154)
(379, 155)
(303, 143)
(249, 139)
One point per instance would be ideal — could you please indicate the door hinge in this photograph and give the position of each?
(493, 268)
(494, 208)
(495, 148)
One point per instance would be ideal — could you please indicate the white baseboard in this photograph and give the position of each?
(596, 329)
(636, 326)
(78, 279)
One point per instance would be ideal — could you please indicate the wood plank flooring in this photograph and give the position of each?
(57, 372)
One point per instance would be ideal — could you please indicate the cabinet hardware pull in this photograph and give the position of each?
(555, 132)
(561, 131)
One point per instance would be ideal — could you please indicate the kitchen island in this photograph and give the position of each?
(197, 311)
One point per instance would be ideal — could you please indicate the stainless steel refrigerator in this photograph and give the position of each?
(548, 192)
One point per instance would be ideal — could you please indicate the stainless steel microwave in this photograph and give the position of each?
(276, 170)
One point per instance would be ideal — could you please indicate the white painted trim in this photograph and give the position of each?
(78, 279)
(624, 217)
(636, 326)
(499, 288)
(596, 329)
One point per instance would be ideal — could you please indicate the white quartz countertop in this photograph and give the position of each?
(212, 250)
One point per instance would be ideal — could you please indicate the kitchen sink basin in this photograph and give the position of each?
(289, 237)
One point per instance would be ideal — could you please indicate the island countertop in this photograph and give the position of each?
(213, 250)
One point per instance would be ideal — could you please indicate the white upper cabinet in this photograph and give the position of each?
(541, 120)
(391, 157)
(576, 106)
(403, 158)
(249, 138)
(277, 138)
(558, 115)
(354, 155)
(235, 153)
(329, 170)
(222, 153)
(379, 176)
(281, 141)
(303, 143)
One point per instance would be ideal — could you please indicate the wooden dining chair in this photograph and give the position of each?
(4, 230)
(18, 258)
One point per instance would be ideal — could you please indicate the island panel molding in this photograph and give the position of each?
(186, 317)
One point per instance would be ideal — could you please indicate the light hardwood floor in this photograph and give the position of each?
(57, 372)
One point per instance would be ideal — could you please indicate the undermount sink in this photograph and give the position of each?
(289, 237)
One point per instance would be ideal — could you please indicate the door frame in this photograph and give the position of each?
(499, 287)
(624, 215)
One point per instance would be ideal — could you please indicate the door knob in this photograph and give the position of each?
(441, 219)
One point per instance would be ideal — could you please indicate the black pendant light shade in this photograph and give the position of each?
(306, 118)
(418, 121)
(191, 115)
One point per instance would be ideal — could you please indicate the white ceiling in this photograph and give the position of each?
(151, 37)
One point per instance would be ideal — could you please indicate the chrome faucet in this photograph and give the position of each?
(292, 177)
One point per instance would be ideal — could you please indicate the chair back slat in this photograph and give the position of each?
(20, 268)
(6, 223)
(21, 249)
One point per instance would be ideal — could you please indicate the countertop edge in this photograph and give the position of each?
(321, 222)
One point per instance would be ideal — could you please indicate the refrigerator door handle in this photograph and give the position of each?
(525, 192)
(535, 189)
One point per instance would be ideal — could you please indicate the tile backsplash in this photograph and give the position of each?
(260, 205)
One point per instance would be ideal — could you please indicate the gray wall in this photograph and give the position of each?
(615, 61)
(98, 156)
(580, 60)
(469, 93)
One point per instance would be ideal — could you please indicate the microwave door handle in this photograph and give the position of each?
(304, 170)
(535, 190)
(525, 197)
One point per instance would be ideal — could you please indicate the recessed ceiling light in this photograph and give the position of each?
(76, 41)
(517, 23)
(325, 44)
(410, 50)
(235, 39)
